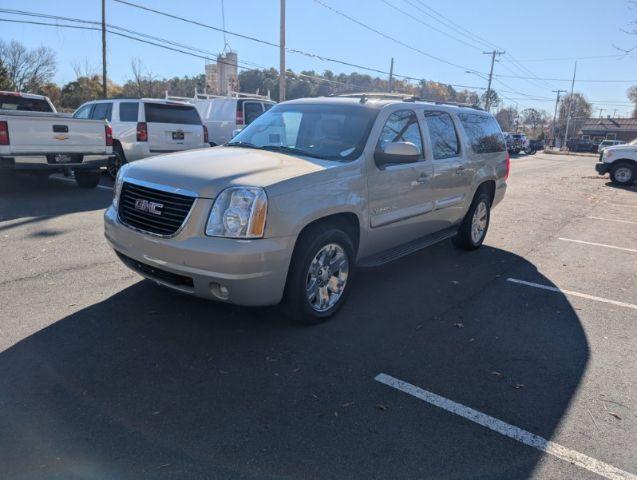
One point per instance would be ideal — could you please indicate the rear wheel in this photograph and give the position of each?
(475, 224)
(87, 179)
(623, 173)
(320, 275)
(115, 162)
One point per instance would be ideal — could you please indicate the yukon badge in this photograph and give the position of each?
(150, 207)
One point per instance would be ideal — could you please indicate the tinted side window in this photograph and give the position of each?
(401, 126)
(166, 113)
(83, 112)
(267, 106)
(484, 133)
(442, 132)
(251, 111)
(128, 111)
(102, 111)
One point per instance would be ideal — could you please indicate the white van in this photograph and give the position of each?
(225, 115)
(145, 127)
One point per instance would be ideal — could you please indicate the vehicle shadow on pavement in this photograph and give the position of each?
(33, 201)
(627, 188)
(153, 384)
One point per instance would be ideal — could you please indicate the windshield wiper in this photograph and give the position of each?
(242, 144)
(298, 151)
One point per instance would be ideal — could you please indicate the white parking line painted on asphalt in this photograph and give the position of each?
(64, 179)
(621, 205)
(572, 293)
(613, 220)
(599, 245)
(508, 430)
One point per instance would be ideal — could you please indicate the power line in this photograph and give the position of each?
(388, 37)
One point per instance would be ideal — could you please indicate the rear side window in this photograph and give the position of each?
(484, 133)
(14, 102)
(267, 106)
(442, 132)
(164, 113)
(102, 111)
(401, 126)
(128, 111)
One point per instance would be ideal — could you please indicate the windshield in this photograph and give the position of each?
(332, 132)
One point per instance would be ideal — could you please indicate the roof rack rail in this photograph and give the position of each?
(364, 96)
(206, 96)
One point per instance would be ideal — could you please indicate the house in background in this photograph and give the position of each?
(599, 129)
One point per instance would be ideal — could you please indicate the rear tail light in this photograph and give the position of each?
(508, 165)
(4, 133)
(239, 114)
(108, 130)
(142, 132)
(205, 134)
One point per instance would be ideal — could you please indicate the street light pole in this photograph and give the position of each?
(104, 86)
(282, 55)
(570, 104)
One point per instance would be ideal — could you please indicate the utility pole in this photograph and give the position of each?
(493, 55)
(391, 75)
(104, 86)
(600, 112)
(614, 113)
(557, 101)
(570, 104)
(282, 55)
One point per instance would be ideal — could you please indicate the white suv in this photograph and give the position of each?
(145, 127)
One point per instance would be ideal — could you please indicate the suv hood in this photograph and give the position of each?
(207, 171)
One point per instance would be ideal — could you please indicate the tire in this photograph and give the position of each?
(623, 173)
(305, 308)
(87, 179)
(467, 240)
(115, 163)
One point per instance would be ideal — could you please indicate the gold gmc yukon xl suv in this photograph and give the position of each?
(311, 189)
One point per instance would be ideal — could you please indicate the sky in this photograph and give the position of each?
(541, 39)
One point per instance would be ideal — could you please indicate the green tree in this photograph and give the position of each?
(81, 90)
(580, 110)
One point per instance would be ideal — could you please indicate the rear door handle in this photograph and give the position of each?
(460, 169)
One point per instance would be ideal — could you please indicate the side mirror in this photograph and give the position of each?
(397, 153)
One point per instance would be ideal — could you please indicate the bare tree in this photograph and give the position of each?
(27, 69)
(144, 80)
(631, 93)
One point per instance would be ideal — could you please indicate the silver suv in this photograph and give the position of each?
(307, 192)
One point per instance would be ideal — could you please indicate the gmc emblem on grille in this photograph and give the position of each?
(150, 207)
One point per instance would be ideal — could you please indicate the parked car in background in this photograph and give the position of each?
(516, 143)
(314, 187)
(536, 145)
(620, 161)
(36, 140)
(581, 145)
(226, 115)
(145, 127)
(608, 143)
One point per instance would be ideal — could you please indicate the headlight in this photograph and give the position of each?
(608, 153)
(238, 212)
(118, 185)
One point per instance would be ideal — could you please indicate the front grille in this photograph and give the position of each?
(157, 273)
(137, 204)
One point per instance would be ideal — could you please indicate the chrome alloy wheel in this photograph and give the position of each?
(479, 222)
(327, 277)
(623, 174)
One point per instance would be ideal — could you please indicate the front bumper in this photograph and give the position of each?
(602, 168)
(46, 163)
(253, 272)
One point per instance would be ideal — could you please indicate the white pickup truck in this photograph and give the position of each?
(620, 161)
(36, 140)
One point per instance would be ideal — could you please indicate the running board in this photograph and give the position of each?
(395, 253)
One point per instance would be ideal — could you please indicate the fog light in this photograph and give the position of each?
(219, 291)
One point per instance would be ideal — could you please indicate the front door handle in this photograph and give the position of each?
(422, 178)
(460, 169)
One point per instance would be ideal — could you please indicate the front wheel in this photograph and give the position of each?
(320, 275)
(475, 224)
(623, 173)
(87, 179)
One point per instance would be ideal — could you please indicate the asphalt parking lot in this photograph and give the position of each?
(517, 361)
